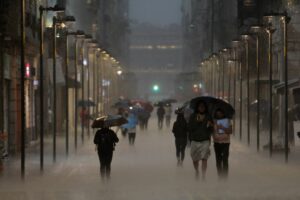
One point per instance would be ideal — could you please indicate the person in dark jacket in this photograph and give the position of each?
(160, 115)
(180, 132)
(105, 140)
(200, 128)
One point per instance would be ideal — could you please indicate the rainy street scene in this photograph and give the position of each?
(149, 99)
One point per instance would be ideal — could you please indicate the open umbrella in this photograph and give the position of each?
(110, 120)
(169, 101)
(86, 103)
(161, 103)
(213, 104)
(145, 104)
(122, 104)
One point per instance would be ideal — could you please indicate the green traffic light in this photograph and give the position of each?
(155, 88)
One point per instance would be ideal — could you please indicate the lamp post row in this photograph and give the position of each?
(77, 35)
(226, 66)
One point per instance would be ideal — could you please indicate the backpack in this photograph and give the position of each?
(105, 142)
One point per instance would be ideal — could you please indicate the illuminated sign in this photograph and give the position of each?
(27, 70)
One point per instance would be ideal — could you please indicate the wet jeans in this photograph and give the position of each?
(222, 154)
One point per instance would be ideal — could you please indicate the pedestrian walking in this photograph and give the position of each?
(130, 127)
(160, 115)
(180, 130)
(221, 137)
(84, 115)
(105, 141)
(200, 128)
(169, 111)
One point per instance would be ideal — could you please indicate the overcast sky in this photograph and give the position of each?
(158, 12)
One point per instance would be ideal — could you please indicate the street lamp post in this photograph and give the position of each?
(83, 65)
(235, 44)
(41, 32)
(78, 34)
(257, 30)
(223, 72)
(229, 62)
(23, 115)
(284, 19)
(270, 32)
(54, 25)
(246, 40)
(92, 46)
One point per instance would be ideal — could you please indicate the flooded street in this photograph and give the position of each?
(148, 171)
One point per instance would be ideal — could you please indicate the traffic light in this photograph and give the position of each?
(156, 88)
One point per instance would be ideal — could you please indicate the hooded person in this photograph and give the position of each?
(180, 130)
(200, 126)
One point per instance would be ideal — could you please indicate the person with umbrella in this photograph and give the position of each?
(105, 140)
(200, 128)
(180, 130)
(221, 137)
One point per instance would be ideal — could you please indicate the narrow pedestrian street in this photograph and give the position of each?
(148, 170)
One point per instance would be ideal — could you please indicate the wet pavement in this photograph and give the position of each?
(148, 171)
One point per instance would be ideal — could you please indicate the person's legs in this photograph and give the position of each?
(102, 164)
(108, 164)
(177, 145)
(182, 149)
(218, 153)
(146, 123)
(204, 168)
(130, 138)
(133, 138)
(196, 167)
(225, 159)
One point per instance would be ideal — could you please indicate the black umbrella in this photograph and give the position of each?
(86, 103)
(110, 120)
(213, 104)
(169, 101)
(159, 104)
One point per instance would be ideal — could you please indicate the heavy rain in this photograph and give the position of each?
(139, 99)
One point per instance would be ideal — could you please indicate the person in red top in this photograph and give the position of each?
(84, 115)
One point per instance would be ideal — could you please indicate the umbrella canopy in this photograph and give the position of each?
(213, 104)
(145, 104)
(169, 101)
(122, 104)
(136, 110)
(110, 120)
(86, 103)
